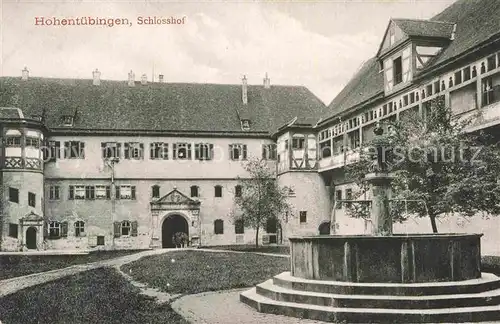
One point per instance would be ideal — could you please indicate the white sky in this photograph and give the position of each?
(316, 44)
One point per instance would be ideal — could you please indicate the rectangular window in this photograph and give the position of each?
(467, 74)
(298, 143)
(31, 199)
(155, 191)
(218, 191)
(100, 240)
(125, 192)
(54, 192)
(303, 216)
(458, 77)
(13, 230)
(348, 196)
(397, 65)
(490, 93)
(74, 150)
(110, 150)
(429, 90)
(239, 227)
(269, 152)
(79, 192)
(54, 229)
(405, 101)
(158, 151)
(134, 151)
(437, 87)
(384, 110)
(14, 195)
(102, 192)
(13, 141)
(89, 192)
(491, 61)
(32, 142)
(338, 198)
(53, 151)
(325, 149)
(182, 151)
(203, 151)
(238, 152)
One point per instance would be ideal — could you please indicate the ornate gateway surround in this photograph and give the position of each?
(175, 203)
(34, 238)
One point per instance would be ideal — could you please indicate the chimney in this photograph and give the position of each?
(25, 74)
(244, 90)
(96, 75)
(144, 79)
(453, 32)
(160, 78)
(131, 79)
(267, 82)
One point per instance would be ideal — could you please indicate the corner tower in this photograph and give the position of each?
(21, 174)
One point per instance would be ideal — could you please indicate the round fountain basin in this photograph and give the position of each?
(411, 258)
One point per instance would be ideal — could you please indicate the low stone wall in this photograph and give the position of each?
(398, 258)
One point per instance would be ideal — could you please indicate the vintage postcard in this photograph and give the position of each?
(249, 161)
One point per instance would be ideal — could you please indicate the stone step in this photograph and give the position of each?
(270, 290)
(487, 282)
(370, 315)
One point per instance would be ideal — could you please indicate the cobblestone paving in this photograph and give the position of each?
(225, 308)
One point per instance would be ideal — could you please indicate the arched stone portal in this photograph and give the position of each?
(171, 225)
(324, 228)
(31, 238)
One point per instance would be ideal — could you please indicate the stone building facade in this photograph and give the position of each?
(98, 164)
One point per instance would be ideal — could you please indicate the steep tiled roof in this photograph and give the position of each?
(425, 28)
(365, 84)
(476, 22)
(113, 105)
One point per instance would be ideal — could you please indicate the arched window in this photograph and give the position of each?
(324, 228)
(155, 191)
(237, 191)
(195, 191)
(218, 191)
(79, 228)
(219, 226)
(126, 228)
(239, 226)
(54, 229)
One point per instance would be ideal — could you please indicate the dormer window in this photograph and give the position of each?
(245, 124)
(67, 120)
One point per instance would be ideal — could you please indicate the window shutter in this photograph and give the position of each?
(264, 152)
(211, 152)
(231, 152)
(118, 149)
(133, 228)
(174, 152)
(117, 191)
(82, 150)
(126, 151)
(117, 229)
(103, 150)
(71, 192)
(66, 150)
(45, 229)
(64, 229)
(132, 192)
(141, 145)
(244, 152)
(108, 192)
(189, 151)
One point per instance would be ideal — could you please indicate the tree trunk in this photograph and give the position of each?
(433, 223)
(257, 238)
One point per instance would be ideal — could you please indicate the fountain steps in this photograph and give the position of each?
(472, 301)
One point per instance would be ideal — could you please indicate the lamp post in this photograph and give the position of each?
(111, 164)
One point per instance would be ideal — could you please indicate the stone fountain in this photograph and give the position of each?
(382, 277)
